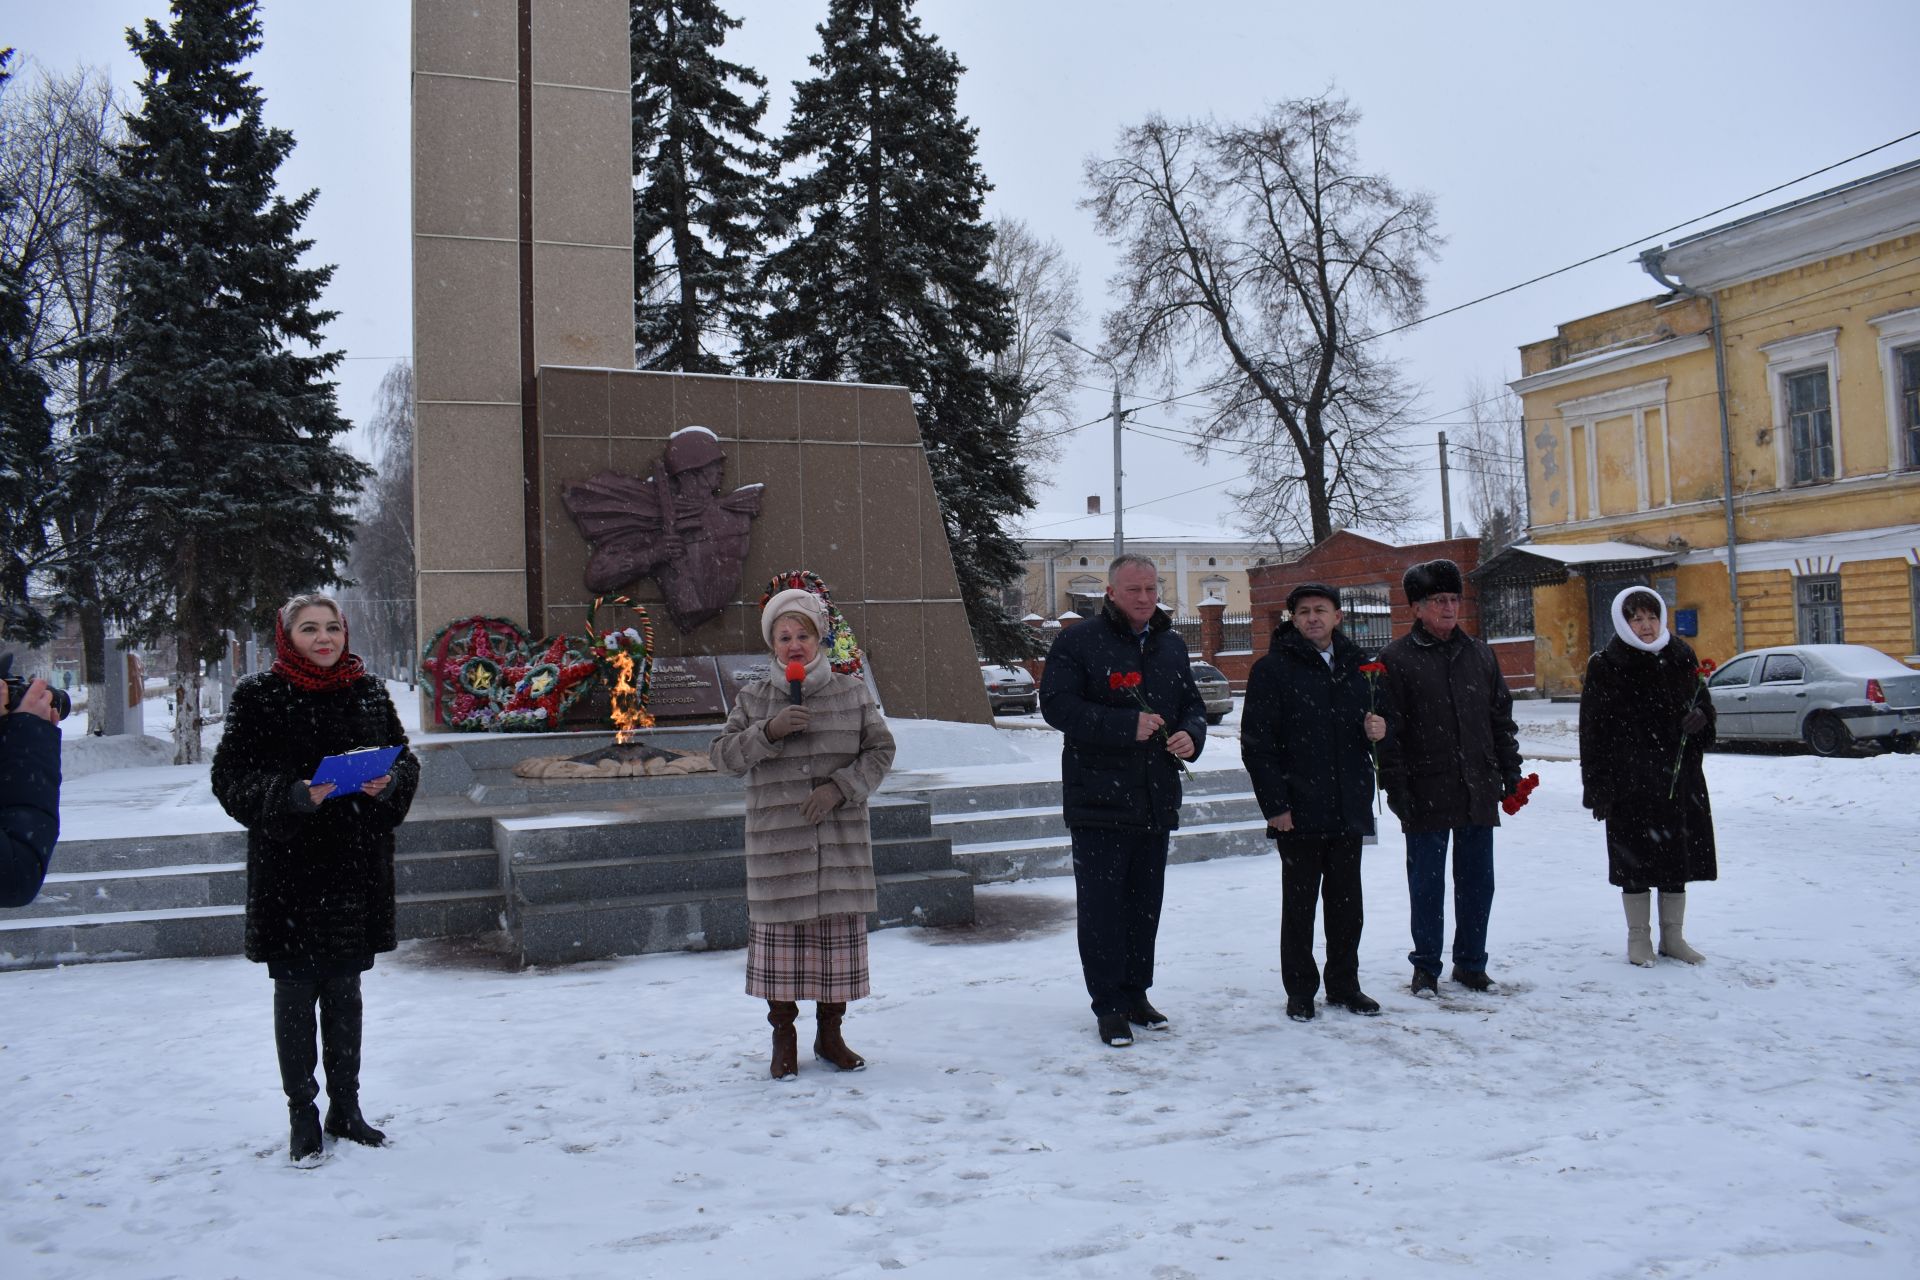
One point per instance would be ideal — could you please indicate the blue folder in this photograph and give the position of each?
(347, 772)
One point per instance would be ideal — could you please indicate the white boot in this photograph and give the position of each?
(1673, 912)
(1639, 928)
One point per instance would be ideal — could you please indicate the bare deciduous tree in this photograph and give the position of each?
(1262, 255)
(1045, 289)
(54, 129)
(1488, 451)
(380, 604)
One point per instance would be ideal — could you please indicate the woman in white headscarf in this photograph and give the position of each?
(810, 763)
(1645, 722)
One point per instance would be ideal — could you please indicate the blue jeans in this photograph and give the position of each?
(1472, 896)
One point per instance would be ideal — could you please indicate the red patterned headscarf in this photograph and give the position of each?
(304, 674)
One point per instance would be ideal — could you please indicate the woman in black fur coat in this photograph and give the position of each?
(319, 865)
(1645, 721)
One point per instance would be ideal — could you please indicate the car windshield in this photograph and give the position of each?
(1201, 671)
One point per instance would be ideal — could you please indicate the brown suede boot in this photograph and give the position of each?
(827, 1044)
(786, 1043)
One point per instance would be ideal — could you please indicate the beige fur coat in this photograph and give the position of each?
(797, 871)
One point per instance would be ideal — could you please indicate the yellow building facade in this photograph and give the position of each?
(1786, 361)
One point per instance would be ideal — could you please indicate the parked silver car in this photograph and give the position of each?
(1010, 689)
(1216, 691)
(1833, 697)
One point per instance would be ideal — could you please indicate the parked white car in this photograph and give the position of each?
(1833, 697)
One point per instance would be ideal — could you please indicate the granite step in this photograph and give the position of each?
(46, 941)
(695, 920)
(169, 887)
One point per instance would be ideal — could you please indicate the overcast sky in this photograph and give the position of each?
(1545, 134)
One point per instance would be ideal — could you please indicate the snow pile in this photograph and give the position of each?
(1758, 1116)
(86, 754)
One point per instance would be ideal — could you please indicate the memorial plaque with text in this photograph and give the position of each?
(686, 689)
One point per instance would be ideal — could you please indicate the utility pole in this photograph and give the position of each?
(1119, 507)
(1446, 498)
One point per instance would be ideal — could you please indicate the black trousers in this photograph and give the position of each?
(338, 1026)
(1326, 868)
(1119, 877)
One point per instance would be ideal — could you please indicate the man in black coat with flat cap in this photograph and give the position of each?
(1306, 736)
(1451, 755)
(1120, 781)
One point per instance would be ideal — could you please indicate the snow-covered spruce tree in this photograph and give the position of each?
(217, 435)
(26, 452)
(885, 278)
(701, 169)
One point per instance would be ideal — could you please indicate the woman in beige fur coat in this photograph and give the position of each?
(810, 766)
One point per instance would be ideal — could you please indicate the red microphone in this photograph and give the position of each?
(796, 676)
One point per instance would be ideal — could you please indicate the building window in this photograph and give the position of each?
(1506, 611)
(1215, 586)
(1817, 610)
(1801, 374)
(1810, 425)
(1899, 341)
(1908, 367)
(1014, 599)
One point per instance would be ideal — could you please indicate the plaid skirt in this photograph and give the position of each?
(824, 959)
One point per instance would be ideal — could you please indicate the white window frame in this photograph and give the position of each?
(1590, 411)
(1803, 353)
(1898, 331)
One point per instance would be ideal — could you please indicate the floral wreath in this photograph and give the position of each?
(843, 651)
(486, 675)
(635, 645)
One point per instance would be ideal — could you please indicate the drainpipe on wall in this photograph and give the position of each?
(1653, 262)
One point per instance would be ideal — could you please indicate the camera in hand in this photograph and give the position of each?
(17, 690)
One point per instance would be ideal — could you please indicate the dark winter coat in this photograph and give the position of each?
(1452, 750)
(319, 881)
(1630, 711)
(1107, 779)
(1302, 739)
(29, 804)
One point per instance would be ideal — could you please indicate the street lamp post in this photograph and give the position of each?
(1119, 506)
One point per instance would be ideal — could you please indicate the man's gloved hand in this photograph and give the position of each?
(1694, 721)
(1601, 811)
(1509, 785)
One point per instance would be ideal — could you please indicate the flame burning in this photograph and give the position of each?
(629, 717)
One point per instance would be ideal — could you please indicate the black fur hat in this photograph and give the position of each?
(1306, 589)
(1432, 578)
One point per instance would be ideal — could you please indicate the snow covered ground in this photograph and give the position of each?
(1758, 1116)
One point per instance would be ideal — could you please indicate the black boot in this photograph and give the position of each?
(293, 1028)
(340, 1014)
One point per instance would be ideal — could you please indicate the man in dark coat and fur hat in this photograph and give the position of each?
(1451, 755)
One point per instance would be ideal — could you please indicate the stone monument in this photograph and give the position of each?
(525, 385)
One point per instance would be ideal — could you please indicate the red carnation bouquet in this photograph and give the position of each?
(1521, 794)
(1129, 681)
(1700, 673)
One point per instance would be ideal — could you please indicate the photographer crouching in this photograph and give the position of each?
(30, 715)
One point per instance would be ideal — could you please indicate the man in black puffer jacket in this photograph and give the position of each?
(1451, 755)
(1120, 781)
(1305, 736)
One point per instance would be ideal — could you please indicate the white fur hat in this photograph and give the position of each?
(793, 600)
